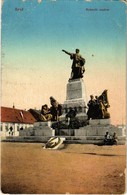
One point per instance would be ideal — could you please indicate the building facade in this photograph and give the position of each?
(13, 120)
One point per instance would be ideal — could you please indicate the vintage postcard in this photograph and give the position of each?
(63, 105)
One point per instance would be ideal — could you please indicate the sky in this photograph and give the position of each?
(34, 32)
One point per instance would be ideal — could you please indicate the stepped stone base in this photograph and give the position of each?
(68, 139)
(100, 121)
(98, 130)
(90, 134)
(81, 116)
(39, 129)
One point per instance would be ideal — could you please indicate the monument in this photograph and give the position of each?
(75, 91)
(97, 118)
(70, 120)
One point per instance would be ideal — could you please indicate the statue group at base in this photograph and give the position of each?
(46, 113)
(71, 121)
(52, 113)
(97, 108)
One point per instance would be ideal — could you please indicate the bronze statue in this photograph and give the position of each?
(104, 99)
(55, 109)
(45, 113)
(78, 68)
(73, 121)
(97, 108)
(91, 107)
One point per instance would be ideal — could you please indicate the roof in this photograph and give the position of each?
(16, 116)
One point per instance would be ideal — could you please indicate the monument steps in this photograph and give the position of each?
(68, 139)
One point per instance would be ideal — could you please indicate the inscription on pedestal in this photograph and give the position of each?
(75, 89)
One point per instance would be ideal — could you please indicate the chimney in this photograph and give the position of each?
(13, 105)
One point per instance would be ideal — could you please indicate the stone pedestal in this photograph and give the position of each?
(39, 129)
(100, 121)
(75, 98)
(75, 90)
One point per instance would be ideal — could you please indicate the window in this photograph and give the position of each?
(1, 127)
(17, 127)
(6, 128)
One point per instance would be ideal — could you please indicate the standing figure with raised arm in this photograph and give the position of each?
(78, 68)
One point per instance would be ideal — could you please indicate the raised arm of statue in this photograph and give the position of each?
(66, 52)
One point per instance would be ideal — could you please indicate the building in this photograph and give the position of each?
(12, 120)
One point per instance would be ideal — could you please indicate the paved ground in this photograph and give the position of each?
(76, 169)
